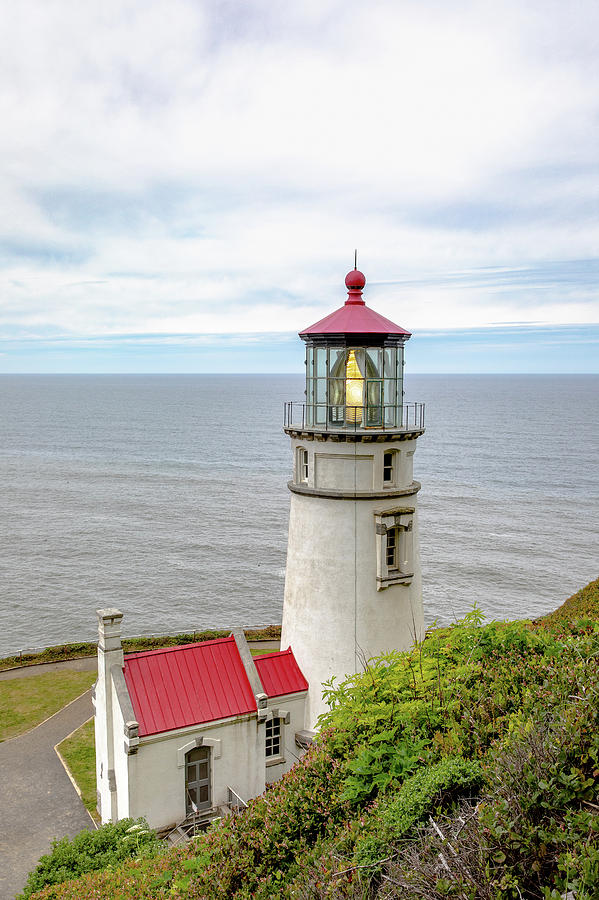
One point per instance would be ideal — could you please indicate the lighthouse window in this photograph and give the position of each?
(302, 465)
(388, 467)
(273, 737)
(392, 543)
(320, 362)
(390, 363)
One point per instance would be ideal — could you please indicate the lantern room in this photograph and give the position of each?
(354, 370)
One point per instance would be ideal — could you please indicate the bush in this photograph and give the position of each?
(535, 832)
(92, 850)
(583, 604)
(254, 853)
(420, 795)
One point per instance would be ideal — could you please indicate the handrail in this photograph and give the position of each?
(233, 796)
(334, 417)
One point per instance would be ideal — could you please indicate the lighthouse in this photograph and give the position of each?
(353, 583)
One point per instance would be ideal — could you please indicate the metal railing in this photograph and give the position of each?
(234, 802)
(325, 417)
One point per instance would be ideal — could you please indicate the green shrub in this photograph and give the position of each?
(545, 776)
(255, 853)
(92, 850)
(534, 833)
(429, 789)
(583, 604)
(349, 863)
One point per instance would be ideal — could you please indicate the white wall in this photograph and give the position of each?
(157, 782)
(121, 761)
(294, 704)
(101, 741)
(348, 465)
(333, 614)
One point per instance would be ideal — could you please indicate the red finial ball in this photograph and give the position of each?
(355, 280)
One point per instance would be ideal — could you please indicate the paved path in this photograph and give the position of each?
(37, 799)
(85, 664)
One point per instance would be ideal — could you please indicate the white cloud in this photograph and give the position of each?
(210, 166)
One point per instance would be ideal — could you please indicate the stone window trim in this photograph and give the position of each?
(394, 543)
(214, 743)
(283, 714)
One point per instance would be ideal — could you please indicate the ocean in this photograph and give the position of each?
(166, 496)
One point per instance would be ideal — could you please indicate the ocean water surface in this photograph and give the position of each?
(166, 496)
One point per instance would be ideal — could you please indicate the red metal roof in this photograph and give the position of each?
(196, 683)
(187, 685)
(354, 317)
(280, 673)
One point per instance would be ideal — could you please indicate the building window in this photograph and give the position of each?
(302, 465)
(273, 737)
(388, 467)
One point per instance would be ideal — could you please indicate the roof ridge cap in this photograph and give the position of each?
(157, 650)
(271, 654)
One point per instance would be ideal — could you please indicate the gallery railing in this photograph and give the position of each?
(326, 417)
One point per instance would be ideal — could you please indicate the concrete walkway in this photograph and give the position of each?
(37, 799)
(85, 664)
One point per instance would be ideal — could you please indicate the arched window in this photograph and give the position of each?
(302, 469)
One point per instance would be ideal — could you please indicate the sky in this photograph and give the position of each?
(183, 182)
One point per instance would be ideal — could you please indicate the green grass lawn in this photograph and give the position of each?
(79, 753)
(25, 702)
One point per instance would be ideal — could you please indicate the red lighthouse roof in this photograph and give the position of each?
(354, 317)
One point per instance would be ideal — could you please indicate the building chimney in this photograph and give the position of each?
(110, 654)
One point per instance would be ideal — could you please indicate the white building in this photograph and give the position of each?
(353, 585)
(187, 732)
(184, 733)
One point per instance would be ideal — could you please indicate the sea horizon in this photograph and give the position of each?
(118, 491)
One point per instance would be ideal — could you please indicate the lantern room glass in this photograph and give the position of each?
(357, 387)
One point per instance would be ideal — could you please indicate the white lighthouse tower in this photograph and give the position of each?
(353, 584)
